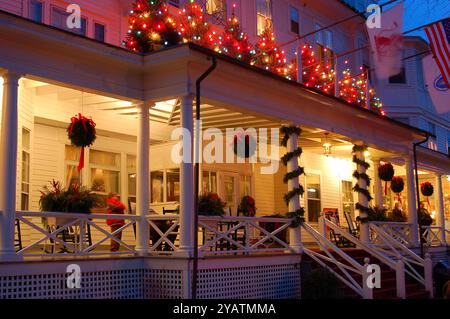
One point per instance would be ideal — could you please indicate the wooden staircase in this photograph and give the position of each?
(388, 277)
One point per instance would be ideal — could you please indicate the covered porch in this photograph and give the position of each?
(137, 101)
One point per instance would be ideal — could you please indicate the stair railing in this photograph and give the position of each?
(346, 270)
(397, 265)
(396, 250)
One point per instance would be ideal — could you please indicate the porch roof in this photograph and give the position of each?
(56, 56)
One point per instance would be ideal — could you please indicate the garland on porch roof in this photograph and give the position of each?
(357, 188)
(298, 215)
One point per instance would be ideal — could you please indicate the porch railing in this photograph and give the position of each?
(397, 265)
(416, 267)
(345, 267)
(234, 235)
(72, 234)
(433, 236)
(401, 232)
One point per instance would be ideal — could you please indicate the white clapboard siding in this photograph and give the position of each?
(12, 6)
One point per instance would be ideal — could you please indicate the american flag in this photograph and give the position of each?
(439, 36)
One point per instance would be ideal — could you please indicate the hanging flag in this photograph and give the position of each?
(387, 43)
(438, 89)
(439, 36)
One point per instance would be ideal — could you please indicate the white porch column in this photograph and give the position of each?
(187, 199)
(362, 199)
(412, 200)
(440, 214)
(8, 165)
(295, 240)
(378, 185)
(143, 179)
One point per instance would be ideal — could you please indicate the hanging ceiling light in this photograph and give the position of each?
(327, 146)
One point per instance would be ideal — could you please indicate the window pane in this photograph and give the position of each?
(295, 27)
(59, 20)
(25, 167)
(36, 10)
(104, 158)
(99, 32)
(313, 197)
(24, 201)
(131, 172)
(105, 181)
(263, 15)
(246, 186)
(399, 78)
(157, 184)
(173, 185)
(347, 198)
(25, 139)
(72, 176)
(72, 153)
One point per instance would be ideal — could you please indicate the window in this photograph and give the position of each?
(36, 10)
(399, 78)
(348, 203)
(246, 186)
(173, 185)
(72, 158)
(59, 20)
(99, 32)
(448, 142)
(313, 197)
(324, 41)
(217, 10)
(263, 15)
(157, 186)
(131, 175)
(431, 128)
(25, 187)
(295, 19)
(209, 182)
(105, 172)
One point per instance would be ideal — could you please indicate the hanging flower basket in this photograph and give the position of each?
(82, 133)
(427, 190)
(247, 141)
(247, 206)
(397, 186)
(386, 173)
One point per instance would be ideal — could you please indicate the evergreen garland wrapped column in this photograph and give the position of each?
(294, 171)
(363, 182)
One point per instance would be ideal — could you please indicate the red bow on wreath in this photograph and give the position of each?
(82, 133)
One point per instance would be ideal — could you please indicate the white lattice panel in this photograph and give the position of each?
(115, 284)
(254, 282)
(163, 284)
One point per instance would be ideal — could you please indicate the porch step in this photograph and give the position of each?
(388, 277)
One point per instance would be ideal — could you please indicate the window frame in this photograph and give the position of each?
(94, 24)
(54, 7)
(258, 13)
(116, 168)
(292, 7)
(26, 150)
(42, 10)
(306, 198)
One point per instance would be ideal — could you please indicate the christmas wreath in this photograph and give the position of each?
(244, 143)
(397, 186)
(386, 173)
(82, 133)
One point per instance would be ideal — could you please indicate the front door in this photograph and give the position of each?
(229, 183)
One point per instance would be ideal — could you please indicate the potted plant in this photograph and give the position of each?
(210, 204)
(74, 199)
(247, 206)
